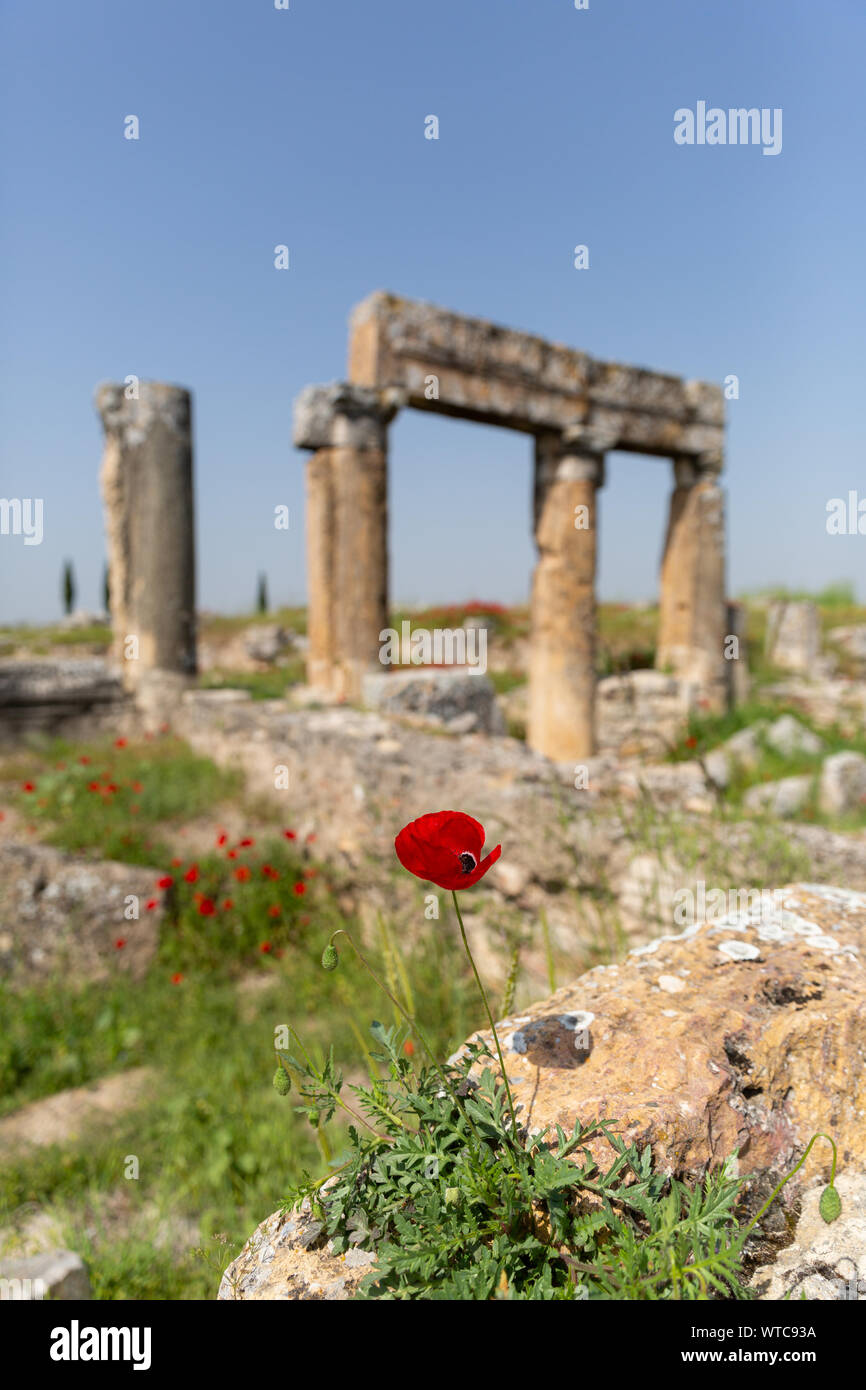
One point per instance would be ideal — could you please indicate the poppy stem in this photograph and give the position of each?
(483, 993)
(413, 1023)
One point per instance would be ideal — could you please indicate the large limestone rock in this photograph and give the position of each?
(458, 701)
(793, 638)
(824, 1262)
(49, 696)
(57, 1274)
(843, 784)
(742, 1033)
(63, 913)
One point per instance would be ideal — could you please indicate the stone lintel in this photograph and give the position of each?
(480, 371)
(341, 414)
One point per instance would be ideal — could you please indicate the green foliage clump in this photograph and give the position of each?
(456, 1205)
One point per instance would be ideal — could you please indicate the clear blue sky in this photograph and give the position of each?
(306, 127)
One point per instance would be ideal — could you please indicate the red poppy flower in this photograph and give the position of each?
(245, 844)
(274, 911)
(176, 979)
(300, 889)
(84, 760)
(165, 882)
(191, 874)
(409, 1047)
(265, 947)
(290, 834)
(232, 854)
(93, 786)
(269, 872)
(28, 786)
(176, 863)
(120, 743)
(691, 742)
(228, 904)
(445, 848)
(221, 839)
(207, 907)
(136, 786)
(242, 874)
(120, 943)
(151, 905)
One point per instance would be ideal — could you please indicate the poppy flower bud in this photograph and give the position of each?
(282, 1081)
(330, 959)
(453, 1196)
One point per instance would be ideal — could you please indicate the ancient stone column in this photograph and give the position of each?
(321, 635)
(692, 610)
(347, 530)
(563, 615)
(147, 491)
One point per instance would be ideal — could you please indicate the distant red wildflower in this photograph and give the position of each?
(207, 907)
(290, 834)
(300, 889)
(151, 905)
(120, 743)
(28, 786)
(176, 979)
(274, 910)
(191, 874)
(120, 943)
(242, 874)
(165, 882)
(265, 947)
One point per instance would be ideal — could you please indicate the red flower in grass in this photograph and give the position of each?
(242, 874)
(300, 889)
(120, 743)
(691, 742)
(176, 863)
(221, 839)
(228, 904)
(231, 854)
(191, 874)
(28, 786)
(290, 834)
(207, 907)
(245, 844)
(93, 786)
(176, 979)
(165, 882)
(120, 943)
(445, 848)
(151, 905)
(84, 760)
(274, 910)
(136, 786)
(409, 1047)
(269, 872)
(265, 947)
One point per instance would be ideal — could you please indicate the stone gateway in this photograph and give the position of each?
(576, 409)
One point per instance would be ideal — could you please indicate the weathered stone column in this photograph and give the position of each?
(147, 492)
(693, 613)
(321, 653)
(563, 616)
(347, 529)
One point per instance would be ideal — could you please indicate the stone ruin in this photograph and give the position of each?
(576, 408)
(405, 353)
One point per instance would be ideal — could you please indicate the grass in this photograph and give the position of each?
(117, 798)
(707, 731)
(262, 685)
(216, 1146)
